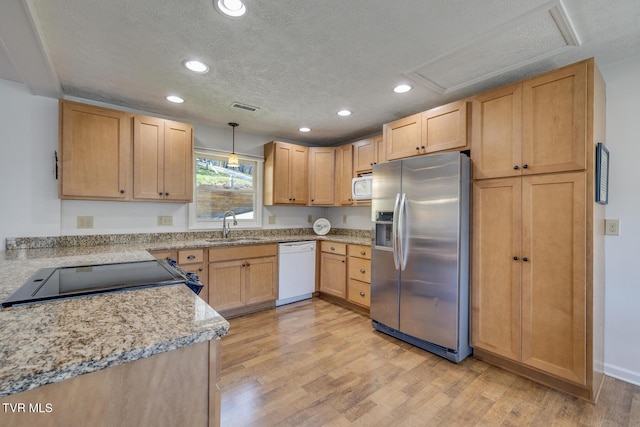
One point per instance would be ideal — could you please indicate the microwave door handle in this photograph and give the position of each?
(394, 232)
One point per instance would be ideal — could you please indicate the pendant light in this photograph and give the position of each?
(233, 157)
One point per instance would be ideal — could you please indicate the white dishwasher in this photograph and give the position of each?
(296, 271)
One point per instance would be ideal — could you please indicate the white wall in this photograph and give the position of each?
(29, 204)
(622, 293)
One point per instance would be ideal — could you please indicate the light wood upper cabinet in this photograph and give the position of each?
(344, 166)
(94, 152)
(536, 126)
(528, 298)
(322, 176)
(285, 174)
(403, 137)
(367, 153)
(162, 160)
(446, 127)
(101, 161)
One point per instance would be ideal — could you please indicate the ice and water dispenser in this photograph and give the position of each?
(384, 229)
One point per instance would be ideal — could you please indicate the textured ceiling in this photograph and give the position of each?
(302, 61)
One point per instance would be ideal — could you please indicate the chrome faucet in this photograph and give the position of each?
(227, 227)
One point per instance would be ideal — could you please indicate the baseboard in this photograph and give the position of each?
(622, 374)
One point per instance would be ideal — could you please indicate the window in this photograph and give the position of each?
(219, 188)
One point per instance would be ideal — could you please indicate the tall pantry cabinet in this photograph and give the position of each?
(538, 244)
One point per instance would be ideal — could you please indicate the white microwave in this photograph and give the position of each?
(361, 187)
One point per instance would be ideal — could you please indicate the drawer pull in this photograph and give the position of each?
(191, 257)
(200, 269)
(332, 248)
(363, 252)
(361, 293)
(362, 270)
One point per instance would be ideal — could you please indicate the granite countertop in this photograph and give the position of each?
(49, 342)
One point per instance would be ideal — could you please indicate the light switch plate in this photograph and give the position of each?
(272, 219)
(612, 227)
(85, 222)
(165, 220)
(309, 219)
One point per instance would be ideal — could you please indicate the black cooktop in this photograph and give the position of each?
(66, 282)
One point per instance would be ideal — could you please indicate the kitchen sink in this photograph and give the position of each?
(237, 240)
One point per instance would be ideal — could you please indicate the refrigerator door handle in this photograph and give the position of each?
(402, 232)
(394, 232)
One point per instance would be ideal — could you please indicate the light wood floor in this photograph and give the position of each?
(317, 364)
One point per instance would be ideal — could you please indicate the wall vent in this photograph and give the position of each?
(245, 106)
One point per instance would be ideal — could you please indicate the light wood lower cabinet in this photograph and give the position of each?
(243, 278)
(359, 285)
(529, 294)
(333, 269)
(177, 387)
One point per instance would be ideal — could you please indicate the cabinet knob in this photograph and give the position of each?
(362, 270)
(122, 191)
(363, 252)
(166, 194)
(313, 200)
(160, 193)
(525, 166)
(343, 261)
(361, 293)
(423, 147)
(200, 269)
(516, 167)
(191, 257)
(525, 259)
(515, 258)
(332, 248)
(418, 148)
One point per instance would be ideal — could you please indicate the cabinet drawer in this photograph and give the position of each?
(360, 269)
(163, 255)
(190, 256)
(359, 293)
(241, 252)
(334, 248)
(359, 251)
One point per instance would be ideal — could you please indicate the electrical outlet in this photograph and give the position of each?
(85, 222)
(612, 227)
(272, 219)
(309, 219)
(165, 220)
(344, 219)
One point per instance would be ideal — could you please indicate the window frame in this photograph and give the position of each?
(256, 222)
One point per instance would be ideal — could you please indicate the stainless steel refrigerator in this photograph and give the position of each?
(420, 256)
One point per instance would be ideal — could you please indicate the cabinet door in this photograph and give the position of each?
(403, 138)
(380, 153)
(178, 162)
(553, 277)
(497, 133)
(95, 152)
(555, 121)
(226, 285)
(299, 175)
(322, 176)
(445, 127)
(495, 290)
(148, 157)
(333, 274)
(363, 156)
(345, 154)
(282, 154)
(261, 280)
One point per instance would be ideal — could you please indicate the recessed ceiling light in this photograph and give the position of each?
(402, 88)
(175, 99)
(196, 66)
(231, 8)
(344, 113)
(305, 129)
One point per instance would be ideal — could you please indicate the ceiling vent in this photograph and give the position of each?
(535, 35)
(245, 106)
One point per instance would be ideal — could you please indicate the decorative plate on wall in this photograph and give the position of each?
(321, 226)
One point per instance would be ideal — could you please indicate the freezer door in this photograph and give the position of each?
(385, 277)
(429, 287)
